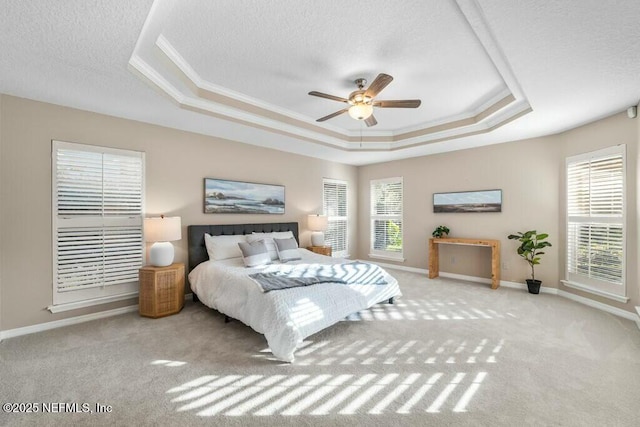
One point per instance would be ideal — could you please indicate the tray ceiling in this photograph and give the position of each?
(486, 71)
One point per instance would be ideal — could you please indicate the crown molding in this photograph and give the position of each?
(173, 76)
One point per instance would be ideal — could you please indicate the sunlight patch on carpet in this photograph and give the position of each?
(362, 352)
(327, 394)
(422, 309)
(169, 363)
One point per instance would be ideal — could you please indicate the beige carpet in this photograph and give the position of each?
(447, 353)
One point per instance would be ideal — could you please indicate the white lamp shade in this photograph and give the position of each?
(317, 222)
(163, 229)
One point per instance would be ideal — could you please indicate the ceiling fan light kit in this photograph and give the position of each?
(361, 107)
(362, 101)
(361, 111)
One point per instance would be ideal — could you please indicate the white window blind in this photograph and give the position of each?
(386, 217)
(596, 220)
(334, 195)
(97, 221)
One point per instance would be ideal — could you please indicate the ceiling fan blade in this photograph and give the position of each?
(332, 115)
(403, 103)
(371, 121)
(378, 84)
(327, 96)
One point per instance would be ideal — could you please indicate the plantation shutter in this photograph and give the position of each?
(98, 211)
(596, 219)
(386, 217)
(335, 208)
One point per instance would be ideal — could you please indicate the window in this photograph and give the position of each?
(386, 218)
(97, 222)
(334, 196)
(596, 222)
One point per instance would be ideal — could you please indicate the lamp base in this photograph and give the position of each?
(317, 238)
(161, 254)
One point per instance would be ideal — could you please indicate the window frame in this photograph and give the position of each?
(373, 217)
(608, 289)
(93, 294)
(336, 252)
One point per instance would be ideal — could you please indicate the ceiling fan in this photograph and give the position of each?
(362, 101)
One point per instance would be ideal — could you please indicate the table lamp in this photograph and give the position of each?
(317, 224)
(161, 232)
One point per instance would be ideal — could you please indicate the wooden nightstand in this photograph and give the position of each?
(161, 290)
(322, 250)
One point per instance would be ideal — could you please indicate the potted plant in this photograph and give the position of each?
(440, 231)
(530, 247)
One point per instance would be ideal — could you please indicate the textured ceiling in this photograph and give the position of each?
(283, 58)
(486, 71)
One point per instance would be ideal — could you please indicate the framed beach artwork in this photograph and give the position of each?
(237, 197)
(468, 201)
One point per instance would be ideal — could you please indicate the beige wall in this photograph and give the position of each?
(531, 176)
(527, 202)
(176, 163)
(530, 173)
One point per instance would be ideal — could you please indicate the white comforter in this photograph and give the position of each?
(288, 316)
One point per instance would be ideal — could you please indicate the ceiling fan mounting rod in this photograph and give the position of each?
(361, 83)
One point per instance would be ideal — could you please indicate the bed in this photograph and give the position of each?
(287, 316)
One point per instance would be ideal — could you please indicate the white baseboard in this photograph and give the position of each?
(466, 278)
(600, 306)
(514, 285)
(523, 286)
(10, 333)
(398, 267)
(475, 279)
(554, 291)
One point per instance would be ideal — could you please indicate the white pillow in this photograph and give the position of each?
(223, 247)
(268, 240)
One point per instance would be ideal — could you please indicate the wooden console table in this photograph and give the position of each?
(434, 258)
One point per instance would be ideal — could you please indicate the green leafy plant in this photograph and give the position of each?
(441, 230)
(531, 244)
(394, 237)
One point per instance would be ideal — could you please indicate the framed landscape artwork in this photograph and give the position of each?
(236, 197)
(468, 201)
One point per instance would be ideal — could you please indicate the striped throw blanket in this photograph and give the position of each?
(291, 276)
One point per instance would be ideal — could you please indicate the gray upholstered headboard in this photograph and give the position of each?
(198, 251)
